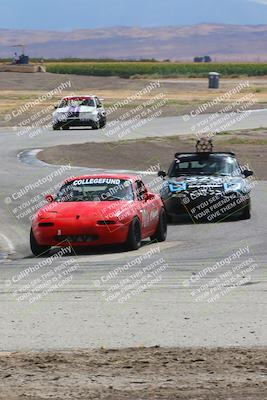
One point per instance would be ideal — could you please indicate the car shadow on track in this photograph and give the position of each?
(90, 251)
(186, 220)
(73, 128)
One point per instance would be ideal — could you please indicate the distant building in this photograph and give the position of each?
(205, 59)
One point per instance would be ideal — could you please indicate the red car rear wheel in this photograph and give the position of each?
(161, 233)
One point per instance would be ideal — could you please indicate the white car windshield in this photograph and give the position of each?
(77, 102)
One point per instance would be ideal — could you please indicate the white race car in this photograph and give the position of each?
(79, 111)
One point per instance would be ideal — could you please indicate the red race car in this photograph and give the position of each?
(99, 210)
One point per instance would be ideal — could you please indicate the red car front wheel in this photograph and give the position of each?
(36, 248)
(134, 235)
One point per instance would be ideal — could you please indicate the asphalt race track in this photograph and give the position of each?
(80, 314)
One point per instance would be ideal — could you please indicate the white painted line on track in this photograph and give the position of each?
(29, 157)
(9, 247)
(255, 111)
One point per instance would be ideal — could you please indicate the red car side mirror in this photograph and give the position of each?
(149, 196)
(50, 198)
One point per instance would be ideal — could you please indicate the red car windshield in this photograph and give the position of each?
(77, 102)
(96, 189)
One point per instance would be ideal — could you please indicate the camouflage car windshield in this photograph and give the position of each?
(198, 164)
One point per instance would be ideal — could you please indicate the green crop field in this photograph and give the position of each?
(156, 69)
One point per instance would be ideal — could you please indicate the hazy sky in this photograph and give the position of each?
(79, 14)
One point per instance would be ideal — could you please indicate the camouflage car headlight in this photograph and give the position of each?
(177, 186)
(232, 187)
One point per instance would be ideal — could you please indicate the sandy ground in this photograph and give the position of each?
(182, 95)
(249, 146)
(142, 373)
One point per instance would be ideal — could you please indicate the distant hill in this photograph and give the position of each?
(221, 42)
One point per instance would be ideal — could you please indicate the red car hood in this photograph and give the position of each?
(90, 209)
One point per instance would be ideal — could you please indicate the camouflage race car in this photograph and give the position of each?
(207, 186)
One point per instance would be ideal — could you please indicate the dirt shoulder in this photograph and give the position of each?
(180, 95)
(140, 373)
(249, 146)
